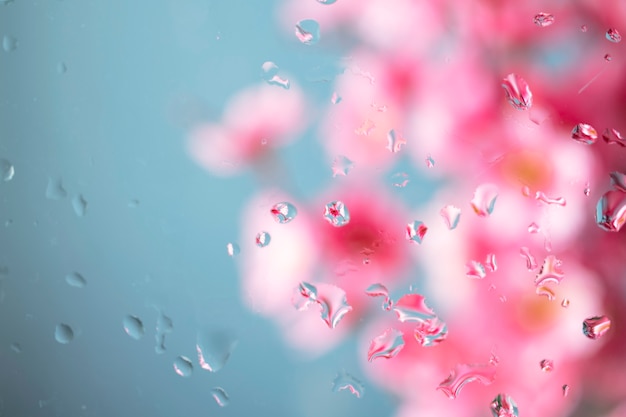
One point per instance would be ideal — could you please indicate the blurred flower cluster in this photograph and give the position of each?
(511, 113)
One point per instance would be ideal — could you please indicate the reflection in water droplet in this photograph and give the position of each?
(379, 290)
(395, 141)
(490, 262)
(75, 279)
(550, 272)
(613, 137)
(7, 170)
(517, 92)
(263, 239)
(387, 345)
(80, 205)
(412, 307)
(220, 396)
(284, 212)
(415, 231)
(503, 406)
(133, 327)
(595, 327)
(345, 381)
(484, 199)
(584, 133)
(61, 67)
(531, 262)
(233, 249)
(63, 333)
(451, 216)
(475, 270)
(9, 43)
(611, 211)
(565, 303)
(183, 366)
(308, 31)
(431, 332)
(342, 166)
(543, 19)
(214, 349)
(540, 196)
(463, 374)
(55, 190)
(336, 213)
(613, 35)
(547, 365)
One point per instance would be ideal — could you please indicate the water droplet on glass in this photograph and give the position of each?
(164, 325)
(550, 272)
(613, 35)
(584, 133)
(608, 57)
(565, 389)
(475, 270)
(595, 327)
(543, 19)
(263, 239)
(517, 92)
(379, 290)
(526, 191)
(547, 365)
(335, 98)
(540, 196)
(9, 43)
(395, 141)
(76, 280)
(304, 295)
(7, 170)
(400, 179)
(134, 203)
(451, 216)
(336, 213)
(284, 212)
(80, 205)
(61, 67)
(611, 211)
(133, 327)
(490, 262)
(484, 199)
(531, 262)
(220, 396)
(366, 128)
(308, 31)
(431, 332)
(326, 1)
(494, 360)
(583, 28)
(533, 228)
(463, 374)
(412, 307)
(63, 333)
(565, 303)
(233, 249)
(270, 75)
(503, 406)
(618, 180)
(16, 347)
(613, 136)
(55, 190)
(183, 366)
(415, 231)
(214, 349)
(345, 381)
(342, 166)
(547, 291)
(587, 191)
(430, 162)
(387, 345)
(331, 299)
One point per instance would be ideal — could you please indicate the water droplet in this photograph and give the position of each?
(270, 75)
(550, 272)
(233, 249)
(387, 345)
(503, 406)
(80, 205)
(431, 332)
(463, 374)
(133, 327)
(484, 199)
(220, 396)
(61, 67)
(308, 31)
(490, 262)
(540, 196)
(517, 92)
(533, 228)
(613, 136)
(613, 35)
(595, 327)
(336, 213)
(583, 28)
(584, 133)
(543, 19)
(55, 190)
(63, 333)
(379, 290)
(345, 381)
(400, 179)
(395, 141)
(214, 349)
(326, 1)
(284, 212)
(164, 324)
(547, 365)
(416, 231)
(531, 262)
(304, 295)
(263, 239)
(134, 203)
(7, 170)
(565, 303)
(547, 291)
(587, 191)
(451, 216)
(608, 57)
(430, 162)
(183, 366)
(332, 300)
(494, 360)
(475, 270)
(366, 128)
(611, 211)
(9, 43)
(16, 347)
(335, 99)
(526, 191)
(76, 280)
(342, 166)
(412, 307)
(565, 389)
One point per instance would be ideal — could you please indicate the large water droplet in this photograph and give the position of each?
(613, 35)
(9, 43)
(540, 196)
(484, 199)
(80, 205)
(183, 366)
(475, 270)
(503, 406)
(413, 307)
(233, 249)
(611, 211)
(342, 166)
(550, 272)
(613, 136)
(451, 216)
(214, 349)
(387, 345)
(517, 92)
(262, 239)
(270, 75)
(336, 213)
(543, 19)
(220, 396)
(332, 300)
(415, 231)
(596, 327)
(284, 212)
(395, 141)
(308, 31)
(7, 170)
(546, 365)
(133, 327)
(345, 381)
(585, 133)
(379, 290)
(55, 190)
(431, 332)
(531, 262)
(463, 374)
(76, 280)
(63, 333)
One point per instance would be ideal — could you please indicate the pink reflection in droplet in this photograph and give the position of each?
(463, 374)
(387, 345)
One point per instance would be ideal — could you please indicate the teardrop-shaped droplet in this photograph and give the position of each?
(596, 327)
(336, 213)
(133, 326)
(284, 212)
(517, 92)
(463, 374)
(504, 406)
(220, 396)
(387, 345)
(611, 211)
(308, 31)
(345, 381)
(484, 199)
(451, 216)
(613, 35)
(543, 19)
(415, 231)
(585, 133)
(183, 366)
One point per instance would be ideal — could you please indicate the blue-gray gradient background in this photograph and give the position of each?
(112, 128)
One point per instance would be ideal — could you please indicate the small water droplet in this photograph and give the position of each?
(379, 290)
(308, 31)
(475, 270)
(451, 216)
(463, 374)
(55, 189)
(550, 272)
(565, 389)
(342, 166)
(395, 141)
(326, 1)
(164, 324)
(613, 35)
(430, 332)
(583, 28)
(16, 347)
(585, 133)
(336, 213)
(415, 231)
(484, 199)
(546, 365)
(233, 249)
(387, 345)
(494, 360)
(490, 262)
(335, 99)
(80, 205)
(531, 262)
(587, 191)
(608, 57)
(366, 128)
(9, 43)
(61, 67)
(430, 162)
(400, 179)
(547, 291)
(611, 211)
(133, 327)
(263, 239)
(540, 196)
(7, 170)
(613, 136)
(543, 19)
(565, 303)
(284, 212)
(345, 381)
(504, 406)
(270, 75)
(183, 366)
(526, 191)
(533, 228)
(214, 348)
(76, 280)
(596, 327)
(63, 333)
(220, 396)
(517, 92)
